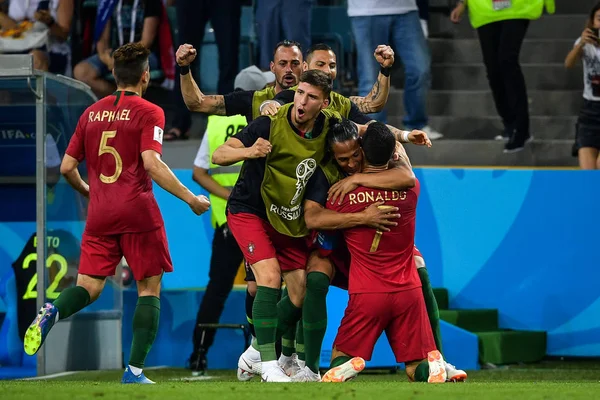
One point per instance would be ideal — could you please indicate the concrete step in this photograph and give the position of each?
(574, 6)
(547, 153)
(468, 51)
(467, 103)
(542, 128)
(558, 26)
(473, 77)
(180, 154)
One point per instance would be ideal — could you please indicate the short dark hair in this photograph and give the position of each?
(288, 44)
(317, 47)
(130, 63)
(378, 144)
(342, 131)
(318, 79)
(592, 13)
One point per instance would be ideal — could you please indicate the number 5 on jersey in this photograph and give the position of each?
(106, 149)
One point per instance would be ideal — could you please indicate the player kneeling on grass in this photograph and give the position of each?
(120, 136)
(384, 287)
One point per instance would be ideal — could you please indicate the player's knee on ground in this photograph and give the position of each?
(411, 368)
(317, 263)
(149, 286)
(419, 262)
(252, 288)
(267, 273)
(295, 281)
(93, 284)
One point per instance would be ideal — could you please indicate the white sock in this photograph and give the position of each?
(283, 359)
(57, 318)
(135, 370)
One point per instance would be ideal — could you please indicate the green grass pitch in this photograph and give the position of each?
(547, 380)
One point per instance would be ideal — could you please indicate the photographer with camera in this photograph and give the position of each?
(587, 48)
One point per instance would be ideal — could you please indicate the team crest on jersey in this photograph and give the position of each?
(158, 134)
(251, 248)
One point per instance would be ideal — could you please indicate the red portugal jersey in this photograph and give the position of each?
(382, 262)
(111, 135)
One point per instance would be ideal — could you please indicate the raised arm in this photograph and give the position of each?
(587, 37)
(195, 100)
(377, 98)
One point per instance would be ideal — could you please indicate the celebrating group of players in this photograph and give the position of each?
(325, 196)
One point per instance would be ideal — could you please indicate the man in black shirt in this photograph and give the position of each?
(287, 65)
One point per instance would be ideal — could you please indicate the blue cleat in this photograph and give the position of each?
(129, 377)
(39, 328)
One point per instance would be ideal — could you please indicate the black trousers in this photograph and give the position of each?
(192, 17)
(423, 6)
(224, 263)
(501, 44)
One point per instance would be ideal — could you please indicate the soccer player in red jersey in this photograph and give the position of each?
(384, 287)
(330, 261)
(120, 137)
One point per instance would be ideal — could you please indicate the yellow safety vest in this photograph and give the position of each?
(220, 129)
(483, 12)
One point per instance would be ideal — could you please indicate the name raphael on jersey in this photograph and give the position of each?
(109, 116)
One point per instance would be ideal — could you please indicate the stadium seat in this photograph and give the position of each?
(331, 25)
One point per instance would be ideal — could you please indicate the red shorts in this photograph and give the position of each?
(340, 258)
(260, 241)
(147, 253)
(417, 253)
(401, 315)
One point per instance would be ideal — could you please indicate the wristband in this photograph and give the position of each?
(404, 138)
(385, 71)
(184, 70)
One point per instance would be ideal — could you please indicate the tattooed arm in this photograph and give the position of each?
(197, 101)
(376, 99)
(194, 99)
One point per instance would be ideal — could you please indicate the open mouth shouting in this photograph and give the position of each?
(289, 80)
(300, 112)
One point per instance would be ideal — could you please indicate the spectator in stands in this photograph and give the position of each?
(280, 19)
(501, 27)
(192, 17)
(56, 15)
(587, 48)
(130, 21)
(379, 21)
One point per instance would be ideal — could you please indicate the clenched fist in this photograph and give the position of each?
(384, 55)
(260, 148)
(199, 204)
(186, 54)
